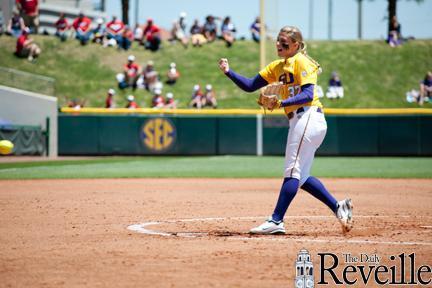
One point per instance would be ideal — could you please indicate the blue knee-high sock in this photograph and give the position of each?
(317, 189)
(286, 195)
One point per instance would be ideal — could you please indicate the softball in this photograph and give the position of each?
(6, 147)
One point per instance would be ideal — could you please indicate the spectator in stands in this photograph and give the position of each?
(228, 31)
(158, 101)
(76, 104)
(426, 89)
(178, 31)
(255, 29)
(197, 34)
(319, 91)
(114, 31)
(149, 77)
(210, 29)
(109, 101)
(126, 39)
(130, 74)
(209, 98)
(29, 10)
(62, 26)
(82, 24)
(151, 36)
(170, 102)
(394, 38)
(15, 25)
(98, 32)
(153, 81)
(197, 97)
(335, 89)
(25, 46)
(149, 67)
(138, 32)
(131, 104)
(172, 74)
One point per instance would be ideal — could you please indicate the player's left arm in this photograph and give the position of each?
(307, 75)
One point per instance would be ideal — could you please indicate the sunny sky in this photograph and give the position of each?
(416, 19)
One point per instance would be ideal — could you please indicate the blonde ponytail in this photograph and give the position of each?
(295, 34)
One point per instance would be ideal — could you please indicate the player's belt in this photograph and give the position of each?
(300, 110)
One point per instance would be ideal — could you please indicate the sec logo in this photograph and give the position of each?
(158, 134)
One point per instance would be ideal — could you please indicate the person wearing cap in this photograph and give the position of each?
(109, 101)
(151, 36)
(170, 102)
(25, 46)
(131, 104)
(62, 26)
(172, 74)
(131, 72)
(158, 101)
(99, 32)
(15, 25)
(197, 97)
(114, 29)
(209, 98)
(29, 11)
(82, 24)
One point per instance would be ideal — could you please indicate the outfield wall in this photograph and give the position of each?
(21, 107)
(348, 135)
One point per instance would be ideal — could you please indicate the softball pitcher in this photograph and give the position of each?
(293, 78)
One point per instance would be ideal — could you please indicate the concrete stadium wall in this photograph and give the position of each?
(26, 108)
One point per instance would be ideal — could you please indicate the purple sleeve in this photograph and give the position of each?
(305, 96)
(246, 84)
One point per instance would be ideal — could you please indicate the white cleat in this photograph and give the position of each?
(344, 214)
(269, 227)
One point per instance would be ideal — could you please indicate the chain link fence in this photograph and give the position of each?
(27, 81)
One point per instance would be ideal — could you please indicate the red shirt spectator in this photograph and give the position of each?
(30, 7)
(109, 101)
(20, 43)
(62, 23)
(82, 23)
(158, 100)
(127, 33)
(115, 26)
(131, 102)
(131, 69)
(150, 30)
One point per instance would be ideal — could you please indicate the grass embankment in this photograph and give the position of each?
(215, 167)
(374, 75)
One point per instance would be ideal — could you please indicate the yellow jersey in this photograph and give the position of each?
(293, 73)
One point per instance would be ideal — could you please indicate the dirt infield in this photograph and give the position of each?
(73, 233)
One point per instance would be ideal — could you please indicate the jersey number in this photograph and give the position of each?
(293, 90)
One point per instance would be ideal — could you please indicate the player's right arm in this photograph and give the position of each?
(246, 84)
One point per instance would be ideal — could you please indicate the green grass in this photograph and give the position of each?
(215, 167)
(374, 75)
